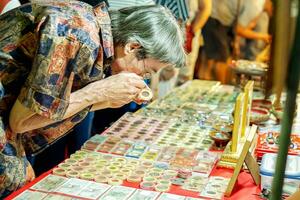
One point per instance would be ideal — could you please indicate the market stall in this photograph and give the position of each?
(63, 60)
(172, 149)
(165, 148)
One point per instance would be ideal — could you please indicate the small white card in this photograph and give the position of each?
(215, 187)
(28, 194)
(211, 194)
(93, 190)
(168, 196)
(57, 197)
(191, 198)
(49, 183)
(117, 193)
(144, 195)
(72, 187)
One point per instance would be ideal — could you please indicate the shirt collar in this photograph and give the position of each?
(101, 13)
(104, 22)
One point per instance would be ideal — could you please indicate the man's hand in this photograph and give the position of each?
(267, 38)
(117, 90)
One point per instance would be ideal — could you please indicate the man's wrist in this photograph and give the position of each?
(86, 96)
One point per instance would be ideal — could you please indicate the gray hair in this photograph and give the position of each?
(154, 28)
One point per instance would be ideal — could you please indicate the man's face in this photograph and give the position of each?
(130, 63)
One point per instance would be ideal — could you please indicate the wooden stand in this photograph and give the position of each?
(245, 157)
(247, 106)
(237, 152)
(234, 148)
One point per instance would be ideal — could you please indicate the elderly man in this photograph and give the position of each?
(54, 58)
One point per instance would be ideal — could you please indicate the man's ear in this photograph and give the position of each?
(131, 48)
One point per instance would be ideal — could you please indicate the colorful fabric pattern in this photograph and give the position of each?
(41, 47)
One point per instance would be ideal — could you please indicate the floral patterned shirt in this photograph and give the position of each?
(43, 45)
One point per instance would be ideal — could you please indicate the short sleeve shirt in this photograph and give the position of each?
(41, 47)
(226, 11)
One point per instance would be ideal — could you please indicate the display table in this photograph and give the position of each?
(245, 188)
(169, 142)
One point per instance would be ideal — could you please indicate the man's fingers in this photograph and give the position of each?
(137, 83)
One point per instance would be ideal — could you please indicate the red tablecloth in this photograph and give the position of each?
(244, 189)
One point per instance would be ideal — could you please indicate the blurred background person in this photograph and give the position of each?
(229, 17)
(199, 12)
(251, 48)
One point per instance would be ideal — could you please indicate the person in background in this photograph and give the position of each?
(54, 62)
(199, 13)
(6, 5)
(218, 32)
(251, 48)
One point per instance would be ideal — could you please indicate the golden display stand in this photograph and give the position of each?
(237, 151)
(245, 157)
